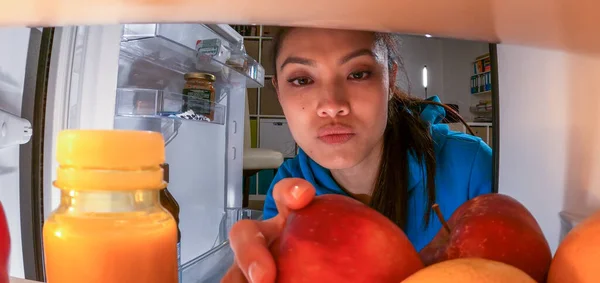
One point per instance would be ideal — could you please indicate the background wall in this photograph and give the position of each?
(549, 122)
(448, 64)
(416, 52)
(459, 56)
(549, 142)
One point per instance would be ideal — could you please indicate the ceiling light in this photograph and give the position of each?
(425, 76)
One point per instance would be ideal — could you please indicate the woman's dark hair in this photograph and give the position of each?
(406, 133)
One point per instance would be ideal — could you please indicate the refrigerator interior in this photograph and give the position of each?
(97, 76)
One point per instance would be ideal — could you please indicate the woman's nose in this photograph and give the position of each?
(333, 103)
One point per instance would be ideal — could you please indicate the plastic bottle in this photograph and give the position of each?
(110, 225)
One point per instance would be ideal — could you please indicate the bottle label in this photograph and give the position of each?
(179, 269)
(200, 104)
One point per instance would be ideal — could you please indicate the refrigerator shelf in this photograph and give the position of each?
(212, 265)
(173, 47)
(166, 126)
(162, 111)
(135, 102)
(480, 110)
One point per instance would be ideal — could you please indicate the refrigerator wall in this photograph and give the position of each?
(12, 81)
(549, 126)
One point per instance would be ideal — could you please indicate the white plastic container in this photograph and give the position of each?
(14, 130)
(568, 221)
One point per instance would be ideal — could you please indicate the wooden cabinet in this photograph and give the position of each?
(266, 59)
(269, 102)
(277, 136)
(268, 126)
(482, 130)
(263, 102)
(253, 101)
(252, 48)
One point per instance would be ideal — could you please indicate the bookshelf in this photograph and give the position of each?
(481, 89)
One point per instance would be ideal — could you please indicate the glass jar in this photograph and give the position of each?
(110, 225)
(199, 88)
(168, 201)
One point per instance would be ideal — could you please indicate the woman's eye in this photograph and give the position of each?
(301, 81)
(359, 75)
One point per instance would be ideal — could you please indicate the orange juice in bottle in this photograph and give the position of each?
(110, 225)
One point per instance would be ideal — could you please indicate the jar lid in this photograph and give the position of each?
(110, 160)
(203, 76)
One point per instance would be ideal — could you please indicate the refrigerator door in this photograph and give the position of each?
(81, 90)
(204, 154)
(17, 60)
(508, 22)
(96, 75)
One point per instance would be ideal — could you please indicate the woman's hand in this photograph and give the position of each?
(250, 239)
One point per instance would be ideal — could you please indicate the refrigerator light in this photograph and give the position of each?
(13, 130)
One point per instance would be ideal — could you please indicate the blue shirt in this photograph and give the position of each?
(464, 171)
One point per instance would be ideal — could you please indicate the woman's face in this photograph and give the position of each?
(333, 87)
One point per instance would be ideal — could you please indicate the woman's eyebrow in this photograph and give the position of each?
(357, 53)
(345, 59)
(297, 60)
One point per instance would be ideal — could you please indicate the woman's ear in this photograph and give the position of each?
(275, 85)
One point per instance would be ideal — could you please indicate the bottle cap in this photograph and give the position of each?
(110, 160)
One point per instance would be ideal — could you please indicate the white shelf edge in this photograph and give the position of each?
(480, 124)
(482, 73)
(130, 47)
(482, 92)
(267, 116)
(257, 197)
(216, 261)
(256, 37)
(162, 99)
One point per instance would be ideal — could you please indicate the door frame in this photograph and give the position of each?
(31, 171)
(495, 117)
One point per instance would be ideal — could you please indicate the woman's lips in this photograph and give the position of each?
(336, 138)
(337, 134)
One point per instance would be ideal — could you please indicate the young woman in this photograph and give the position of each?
(362, 137)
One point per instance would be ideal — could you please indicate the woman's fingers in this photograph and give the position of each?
(251, 250)
(292, 193)
(234, 275)
(250, 240)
